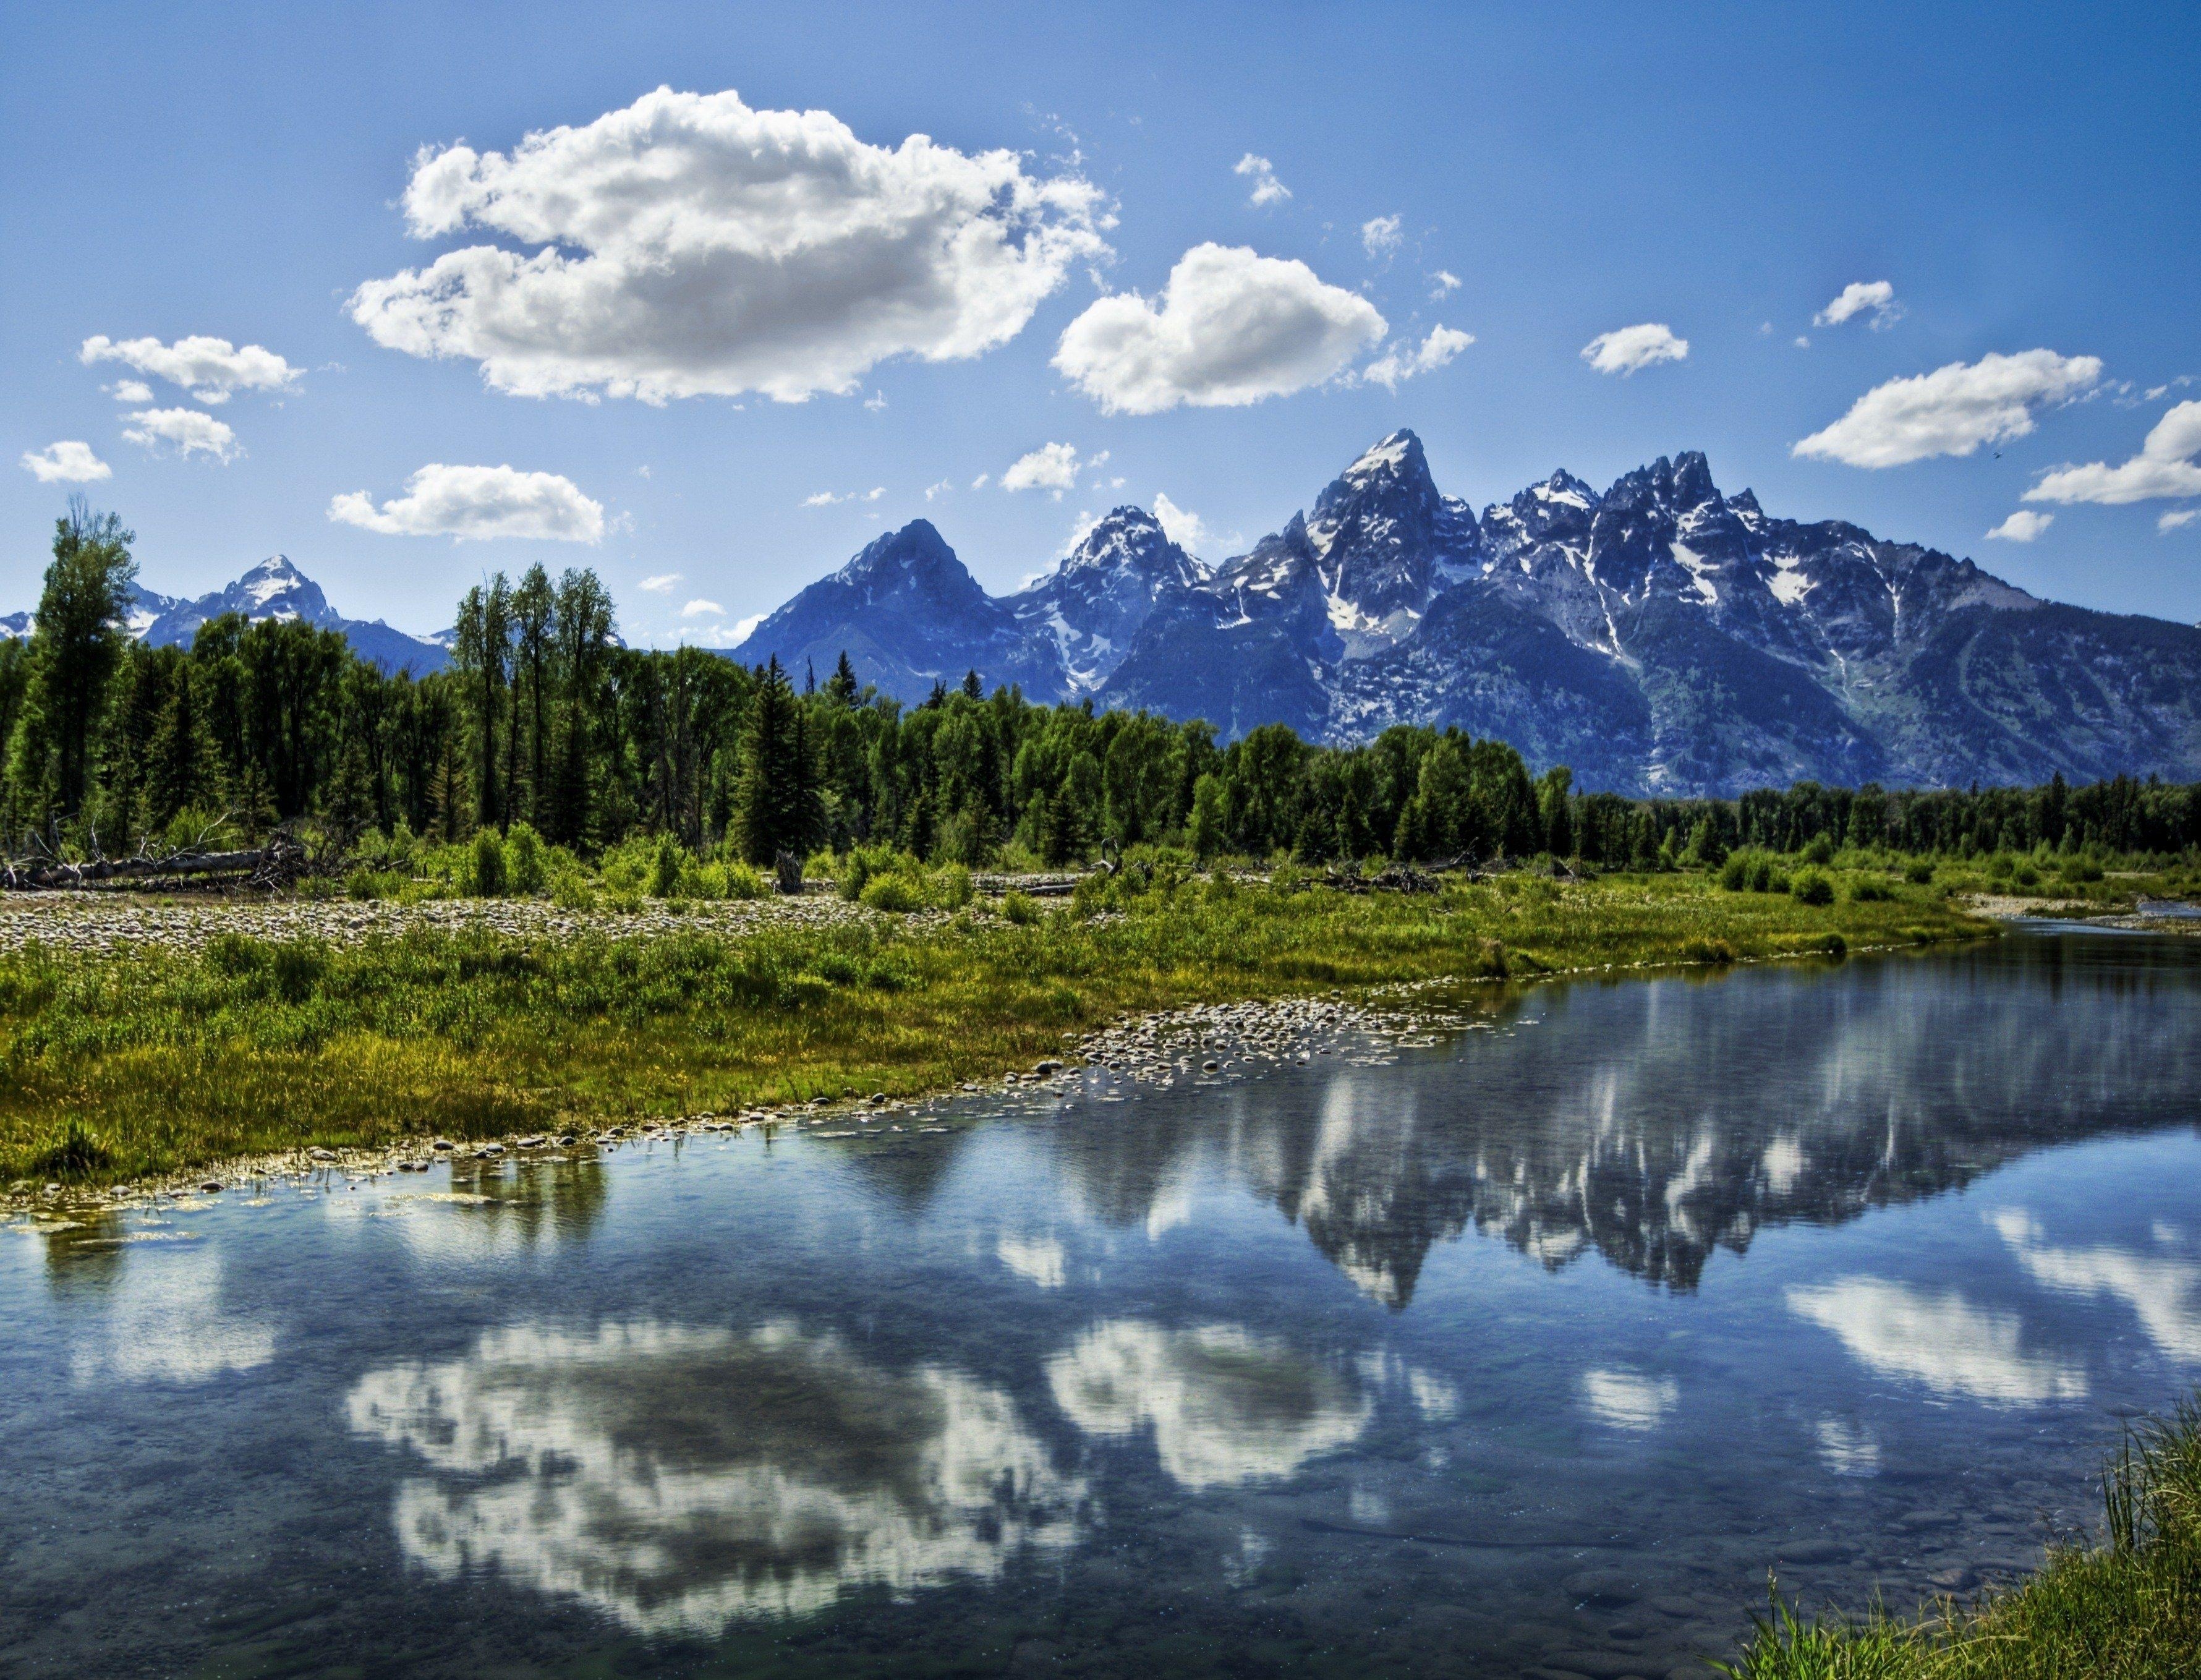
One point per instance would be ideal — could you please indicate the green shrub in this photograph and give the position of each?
(1871, 889)
(664, 870)
(1735, 873)
(486, 878)
(525, 867)
(2026, 875)
(951, 888)
(1821, 851)
(894, 892)
(569, 890)
(2078, 867)
(1809, 886)
(1920, 873)
(76, 1152)
(1020, 908)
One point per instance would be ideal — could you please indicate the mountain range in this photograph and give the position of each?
(274, 589)
(1660, 637)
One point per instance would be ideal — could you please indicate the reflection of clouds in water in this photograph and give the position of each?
(1628, 1399)
(1037, 1260)
(683, 1478)
(1227, 1406)
(1435, 1398)
(2165, 1293)
(1937, 1337)
(166, 1325)
(1847, 1449)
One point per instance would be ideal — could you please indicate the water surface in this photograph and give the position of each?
(1528, 1349)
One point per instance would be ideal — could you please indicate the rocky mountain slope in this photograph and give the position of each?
(1659, 638)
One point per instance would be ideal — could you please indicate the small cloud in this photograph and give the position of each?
(1267, 188)
(1953, 410)
(1400, 363)
(938, 490)
(700, 608)
(2022, 527)
(1380, 236)
(208, 368)
(1052, 467)
(480, 504)
(875, 400)
(642, 472)
(1803, 341)
(187, 430)
(831, 498)
(1859, 297)
(662, 584)
(1626, 350)
(981, 481)
(67, 462)
(1181, 524)
(745, 628)
(2177, 517)
(1442, 285)
(129, 391)
(2166, 466)
(1765, 329)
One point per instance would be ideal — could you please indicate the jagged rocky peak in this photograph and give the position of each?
(1132, 541)
(914, 563)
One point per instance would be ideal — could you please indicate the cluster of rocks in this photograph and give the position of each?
(96, 922)
(1214, 1038)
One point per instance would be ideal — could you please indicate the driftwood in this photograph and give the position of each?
(280, 862)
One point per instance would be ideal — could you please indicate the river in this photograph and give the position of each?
(1529, 1346)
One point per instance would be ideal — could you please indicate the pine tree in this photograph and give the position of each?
(183, 774)
(973, 687)
(841, 684)
(776, 805)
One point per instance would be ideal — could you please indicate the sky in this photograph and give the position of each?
(708, 296)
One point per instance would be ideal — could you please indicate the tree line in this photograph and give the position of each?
(544, 718)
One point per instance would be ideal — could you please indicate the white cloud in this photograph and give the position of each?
(830, 498)
(2164, 466)
(1626, 348)
(1232, 328)
(1267, 188)
(480, 502)
(1951, 410)
(1859, 296)
(208, 368)
(1400, 363)
(745, 626)
(1181, 524)
(690, 246)
(700, 608)
(1444, 284)
(1380, 236)
(1052, 467)
(2177, 517)
(981, 481)
(938, 490)
(2022, 527)
(129, 391)
(662, 584)
(67, 461)
(191, 433)
(1803, 341)
(875, 400)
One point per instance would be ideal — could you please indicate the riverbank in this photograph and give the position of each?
(2128, 1608)
(251, 1032)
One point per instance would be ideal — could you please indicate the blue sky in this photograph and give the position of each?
(2022, 181)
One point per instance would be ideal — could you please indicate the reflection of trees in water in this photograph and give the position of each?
(681, 1478)
(1653, 1122)
(84, 1252)
(536, 1199)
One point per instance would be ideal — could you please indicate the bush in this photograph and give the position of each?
(1869, 890)
(75, 1152)
(1735, 873)
(524, 863)
(1809, 886)
(2026, 875)
(1821, 851)
(2079, 868)
(894, 892)
(1919, 873)
(570, 891)
(664, 870)
(1020, 908)
(485, 876)
(951, 888)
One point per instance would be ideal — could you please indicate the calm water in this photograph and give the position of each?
(1535, 1345)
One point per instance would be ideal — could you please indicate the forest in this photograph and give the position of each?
(545, 720)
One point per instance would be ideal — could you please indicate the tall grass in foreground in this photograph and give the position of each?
(2128, 1609)
(154, 1061)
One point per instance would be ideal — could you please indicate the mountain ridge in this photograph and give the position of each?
(1659, 637)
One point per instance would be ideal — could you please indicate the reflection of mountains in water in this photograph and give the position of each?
(1652, 1122)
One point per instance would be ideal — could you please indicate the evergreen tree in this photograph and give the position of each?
(972, 687)
(76, 648)
(776, 799)
(184, 774)
(841, 684)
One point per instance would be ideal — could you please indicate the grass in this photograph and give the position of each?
(154, 1061)
(2128, 1608)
